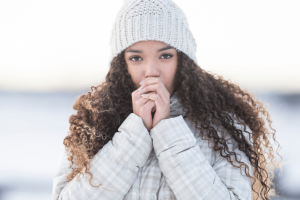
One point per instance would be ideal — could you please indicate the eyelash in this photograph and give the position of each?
(161, 55)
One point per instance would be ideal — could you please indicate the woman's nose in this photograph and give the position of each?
(152, 69)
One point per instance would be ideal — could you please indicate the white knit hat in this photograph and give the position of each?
(161, 20)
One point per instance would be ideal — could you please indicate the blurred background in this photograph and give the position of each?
(53, 51)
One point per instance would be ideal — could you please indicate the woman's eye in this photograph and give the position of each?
(134, 58)
(166, 55)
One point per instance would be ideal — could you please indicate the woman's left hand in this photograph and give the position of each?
(161, 98)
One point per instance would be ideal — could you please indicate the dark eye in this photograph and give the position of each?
(166, 55)
(135, 57)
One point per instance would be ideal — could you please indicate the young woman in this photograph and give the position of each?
(160, 126)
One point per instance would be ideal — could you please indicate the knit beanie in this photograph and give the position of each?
(161, 20)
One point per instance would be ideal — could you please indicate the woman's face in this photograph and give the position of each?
(151, 59)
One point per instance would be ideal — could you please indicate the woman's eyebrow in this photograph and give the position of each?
(165, 48)
(139, 51)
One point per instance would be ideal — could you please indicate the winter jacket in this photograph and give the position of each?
(171, 162)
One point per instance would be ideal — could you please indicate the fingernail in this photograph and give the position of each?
(140, 87)
(140, 91)
(143, 95)
(141, 82)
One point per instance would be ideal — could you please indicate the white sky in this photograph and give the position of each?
(64, 45)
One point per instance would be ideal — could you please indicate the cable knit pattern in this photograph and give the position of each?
(161, 20)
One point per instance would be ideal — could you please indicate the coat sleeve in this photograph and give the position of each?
(186, 170)
(115, 166)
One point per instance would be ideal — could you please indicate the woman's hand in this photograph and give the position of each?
(161, 97)
(142, 107)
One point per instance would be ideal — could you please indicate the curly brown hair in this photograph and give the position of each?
(206, 98)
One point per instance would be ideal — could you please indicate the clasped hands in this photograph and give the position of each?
(161, 98)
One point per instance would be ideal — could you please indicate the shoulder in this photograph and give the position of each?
(206, 141)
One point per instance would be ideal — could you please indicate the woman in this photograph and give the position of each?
(161, 127)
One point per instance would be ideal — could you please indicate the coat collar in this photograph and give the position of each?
(176, 108)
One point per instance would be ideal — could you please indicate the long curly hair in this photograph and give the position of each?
(206, 97)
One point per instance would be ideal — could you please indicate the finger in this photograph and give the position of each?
(157, 89)
(155, 97)
(149, 105)
(135, 94)
(142, 101)
(149, 81)
(164, 93)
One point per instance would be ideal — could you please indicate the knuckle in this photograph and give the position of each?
(134, 97)
(144, 89)
(140, 104)
(133, 93)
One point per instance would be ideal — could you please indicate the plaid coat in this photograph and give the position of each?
(171, 162)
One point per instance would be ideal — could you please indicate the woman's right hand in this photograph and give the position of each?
(142, 107)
